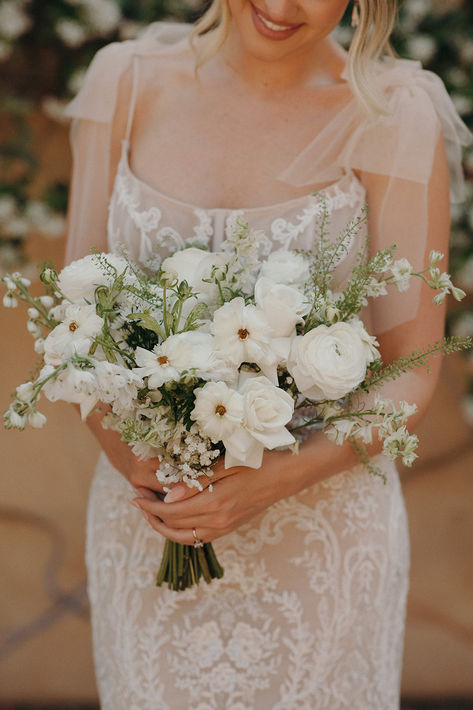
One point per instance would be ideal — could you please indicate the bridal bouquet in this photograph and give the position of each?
(221, 354)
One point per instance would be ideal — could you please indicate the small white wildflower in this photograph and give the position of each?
(33, 313)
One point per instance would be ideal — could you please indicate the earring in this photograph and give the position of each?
(355, 15)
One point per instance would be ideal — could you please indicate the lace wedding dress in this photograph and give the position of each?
(310, 612)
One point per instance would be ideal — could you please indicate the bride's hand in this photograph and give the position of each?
(141, 474)
(235, 496)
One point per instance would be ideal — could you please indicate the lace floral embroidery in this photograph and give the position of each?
(285, 232)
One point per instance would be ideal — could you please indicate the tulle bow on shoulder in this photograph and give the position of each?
(399, 144)
(96, 101)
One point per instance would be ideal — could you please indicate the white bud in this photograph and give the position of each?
(47, 301)
(9, 301)
(25, 282)
(34, 329)
(37, 420)
(9, 283)
(39, 346)
(25, 392)
(458, 293)
(33, 313)
(435, 257)
(17, 421)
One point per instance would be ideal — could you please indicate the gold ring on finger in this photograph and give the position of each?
(197, 542)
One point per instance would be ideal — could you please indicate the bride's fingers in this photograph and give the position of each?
(181, 491)
(183, 535)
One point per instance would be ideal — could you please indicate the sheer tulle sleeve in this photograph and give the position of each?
(399, 146)
(92, 111)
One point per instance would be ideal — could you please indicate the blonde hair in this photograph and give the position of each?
(370, 41)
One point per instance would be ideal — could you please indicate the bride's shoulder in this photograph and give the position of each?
(110, 73)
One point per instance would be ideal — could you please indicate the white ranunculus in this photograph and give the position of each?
(330, 361)
(242, 334)
(79, 279)
(286, 267)
(369, 340)
(74, 335)
(218, 411)
(193, 265)
(283, 306)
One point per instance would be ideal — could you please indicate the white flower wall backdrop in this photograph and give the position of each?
(45, 46)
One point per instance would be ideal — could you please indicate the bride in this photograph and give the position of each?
(258, 111)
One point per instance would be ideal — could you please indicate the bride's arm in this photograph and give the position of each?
(96, 152)
(241, 493)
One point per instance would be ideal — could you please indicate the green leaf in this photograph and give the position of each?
(145, 320)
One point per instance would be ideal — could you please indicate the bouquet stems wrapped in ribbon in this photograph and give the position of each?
(221, 354)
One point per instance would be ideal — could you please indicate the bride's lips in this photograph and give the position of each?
(258, 20)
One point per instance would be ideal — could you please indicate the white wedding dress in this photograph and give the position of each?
(310, 612)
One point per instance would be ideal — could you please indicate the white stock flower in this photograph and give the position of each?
(193, 265)
(283, 306)
(401, 443)
(79, 279)
(74, 335)
(218, 411)
(71, 385)
(339, 430)
(402, 271)
(286, 267)
(330, 361)
(118, 386)
(242, 334)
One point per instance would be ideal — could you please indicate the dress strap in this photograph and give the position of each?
(134, 94)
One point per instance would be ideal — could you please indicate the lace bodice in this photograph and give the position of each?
(146, 222)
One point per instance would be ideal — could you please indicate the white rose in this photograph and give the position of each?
(329, 361)
(266, 411)
(283, 306)
(286, 267)
(193, 265)
(79, 279)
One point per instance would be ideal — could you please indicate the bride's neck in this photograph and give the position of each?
(320, 64)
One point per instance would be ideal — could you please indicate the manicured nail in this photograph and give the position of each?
(133, 502)
(176, 494)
